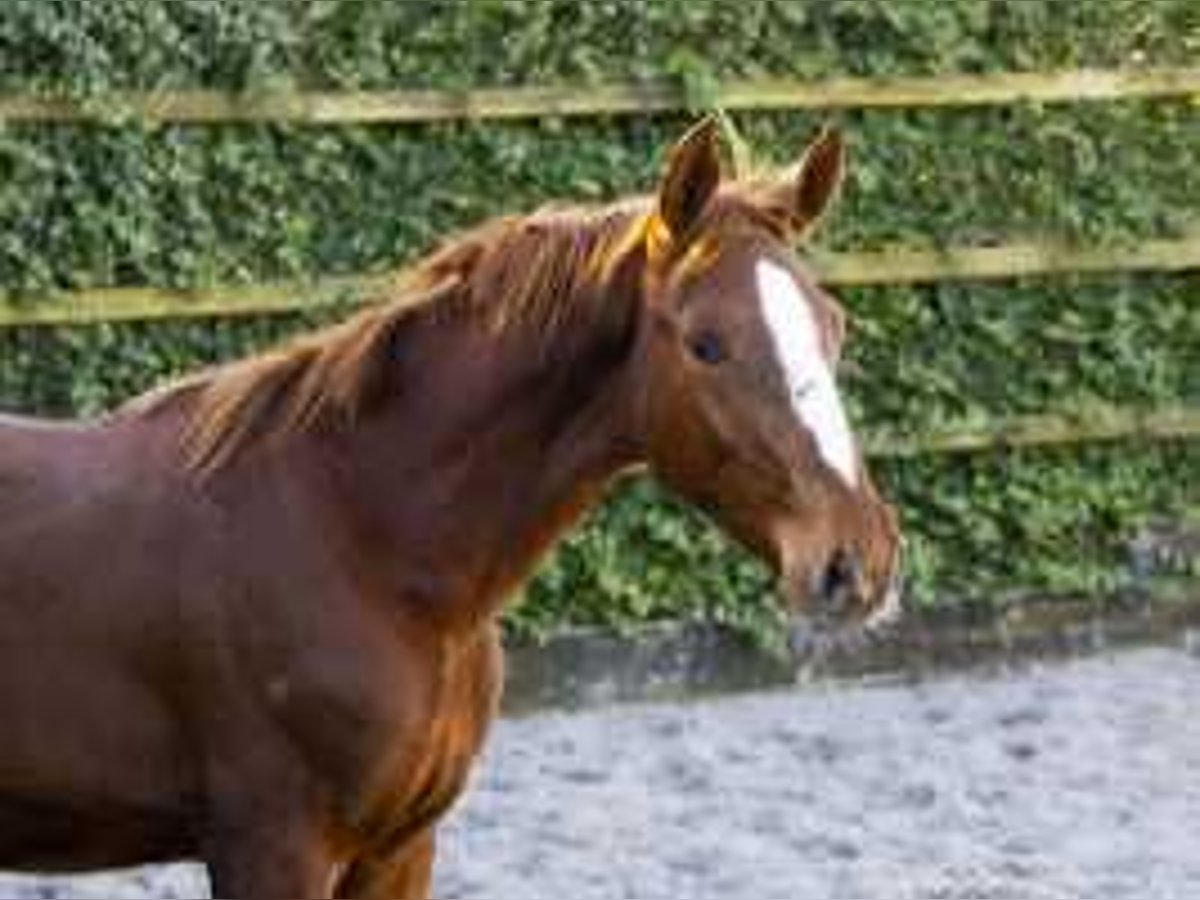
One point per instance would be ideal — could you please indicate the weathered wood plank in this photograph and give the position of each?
(894, 266)
(396, 107)
(1096, 425)
(1016, 260)
(137, 304)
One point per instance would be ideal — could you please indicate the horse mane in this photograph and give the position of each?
(537, 272)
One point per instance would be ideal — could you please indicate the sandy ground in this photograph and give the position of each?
(1071, 780)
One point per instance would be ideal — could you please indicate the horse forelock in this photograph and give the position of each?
(542, 275)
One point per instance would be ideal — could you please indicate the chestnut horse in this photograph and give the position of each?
(250, 618)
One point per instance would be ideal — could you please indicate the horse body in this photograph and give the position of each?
(250, 619)
(232, 684)
(281, 641)
(72, 649)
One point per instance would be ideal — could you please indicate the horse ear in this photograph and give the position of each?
(692, 175)
(810, 189)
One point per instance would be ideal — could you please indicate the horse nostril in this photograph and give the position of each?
(839, 579)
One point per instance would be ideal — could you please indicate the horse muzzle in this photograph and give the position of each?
(840, 603)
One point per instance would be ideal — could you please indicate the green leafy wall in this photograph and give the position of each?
(86, 205)
(89, 46)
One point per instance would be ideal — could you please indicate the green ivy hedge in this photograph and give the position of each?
(90, 46)
(84, 206)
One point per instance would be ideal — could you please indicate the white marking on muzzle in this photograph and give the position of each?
(889, 610)
(811, 388)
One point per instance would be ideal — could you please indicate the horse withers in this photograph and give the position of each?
(250, 618)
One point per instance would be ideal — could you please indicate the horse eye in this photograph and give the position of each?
(707, 347)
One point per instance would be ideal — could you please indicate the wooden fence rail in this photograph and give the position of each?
(1021, 259)
(412, 106)
(1041, 430)
(894, 266)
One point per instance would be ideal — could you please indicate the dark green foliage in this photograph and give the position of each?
(84, 206)
(89, 46)
(958, 353)
(86, 370)
(1055, 521)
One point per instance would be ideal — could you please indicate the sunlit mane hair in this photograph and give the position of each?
(537, 272)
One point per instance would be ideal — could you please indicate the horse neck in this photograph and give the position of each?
(489, 452)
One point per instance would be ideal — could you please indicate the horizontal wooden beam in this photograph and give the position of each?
(1091, 426)
(146, 304)
(894, 266)
(1021, 259)
(411, 106)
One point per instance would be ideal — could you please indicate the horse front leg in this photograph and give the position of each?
(404, 874)
(270, 859)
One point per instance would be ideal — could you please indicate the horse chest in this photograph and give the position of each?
(399, 751)
(433, 755)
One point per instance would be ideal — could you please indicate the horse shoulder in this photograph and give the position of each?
(377, 704)
(441, 747)
(45, 478)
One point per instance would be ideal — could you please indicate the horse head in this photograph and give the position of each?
(740, 410)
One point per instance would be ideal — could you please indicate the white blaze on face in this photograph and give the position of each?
(811, 388)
